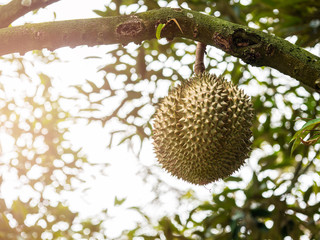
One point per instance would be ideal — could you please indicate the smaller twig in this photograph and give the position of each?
(199, 63)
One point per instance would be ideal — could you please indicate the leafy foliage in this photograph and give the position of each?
(288, 18)
(278, 195)
(40, 157)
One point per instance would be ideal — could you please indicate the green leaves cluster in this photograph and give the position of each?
(279, 199)
(287, 18)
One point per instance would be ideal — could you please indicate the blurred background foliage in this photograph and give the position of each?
(279, 200)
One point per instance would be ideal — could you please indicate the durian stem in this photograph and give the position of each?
(199, 64)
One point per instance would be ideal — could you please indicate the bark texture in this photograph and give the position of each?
(252, 46)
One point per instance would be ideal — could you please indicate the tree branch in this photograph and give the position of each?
(14, 9)
(252, 46)
(199, 62)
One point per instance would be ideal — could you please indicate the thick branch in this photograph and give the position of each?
(14, 9)
(252, 46)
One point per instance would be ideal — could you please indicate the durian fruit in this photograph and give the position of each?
(201, 130)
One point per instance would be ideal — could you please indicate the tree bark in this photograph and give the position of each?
(252, 46)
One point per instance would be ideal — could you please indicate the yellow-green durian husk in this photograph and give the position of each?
(201, 130)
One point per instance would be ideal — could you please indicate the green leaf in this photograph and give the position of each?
(303, 132)
(101, 13)
(177, 219)
(296, 143)
(307, 126)
(118, 201)
(19, 211)
(159, 29)
(206, 206)
(233, 179)
(316, 188)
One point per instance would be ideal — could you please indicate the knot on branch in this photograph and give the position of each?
(221, 41)
(130, 28)
(248, 44)
(241, 38)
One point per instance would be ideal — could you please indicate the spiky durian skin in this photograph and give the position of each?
(201, 130)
